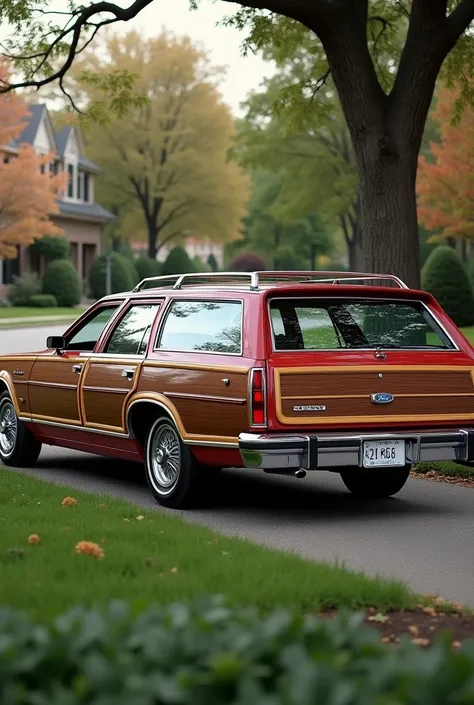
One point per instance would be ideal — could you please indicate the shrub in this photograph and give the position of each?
(200, 266)
(212, 262)
(132, 270)
(62, 281)
(43, 301)
(4, 303)
(121, 278)
(210, 655)
(178, 262)
(248, 262)
(23, 288)
(51, 247)
(147, 267)
(445, 277)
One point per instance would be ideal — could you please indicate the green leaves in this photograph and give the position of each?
(207, 654)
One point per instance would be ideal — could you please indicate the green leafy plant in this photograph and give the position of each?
(121, 279)
(51, 247)
(43, 301)
(248, 262)
(23, 288)
(147, 267)
(178, 262)
(212, 262)
(445, 277)
(62, 281)
(208, 654)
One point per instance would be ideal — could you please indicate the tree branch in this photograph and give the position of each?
(459, 20)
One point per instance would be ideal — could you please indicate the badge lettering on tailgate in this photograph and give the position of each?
(309, 408)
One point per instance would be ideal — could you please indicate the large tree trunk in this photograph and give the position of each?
(354, 249)
(387, 176)
(152, 238)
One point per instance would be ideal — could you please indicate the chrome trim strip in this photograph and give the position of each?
(204, 397)
(455, 347)
(73, 427)
(211, 444)
(199, 299)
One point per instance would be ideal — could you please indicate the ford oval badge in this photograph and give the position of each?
(381, 398)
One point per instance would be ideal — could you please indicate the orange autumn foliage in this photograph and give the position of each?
(445, 186)
(27, 196)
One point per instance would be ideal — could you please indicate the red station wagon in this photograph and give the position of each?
(285, 372)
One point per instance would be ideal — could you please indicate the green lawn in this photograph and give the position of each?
(158, 558)
(26, 312)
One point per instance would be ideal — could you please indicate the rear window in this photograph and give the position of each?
(317, 324)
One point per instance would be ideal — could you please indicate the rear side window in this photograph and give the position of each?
(203, 326)
(317, 324)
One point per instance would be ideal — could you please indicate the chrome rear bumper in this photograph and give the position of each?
(277, 451)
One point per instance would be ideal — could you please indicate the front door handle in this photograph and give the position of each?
(128, 374)
(77, 369)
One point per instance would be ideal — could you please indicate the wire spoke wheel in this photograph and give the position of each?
(8, 428)
(165, 458)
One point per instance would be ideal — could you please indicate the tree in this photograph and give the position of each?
(248, 262)
(178, 262)
(446, 177)
(121, 276)
(165, 163)
(385, 105)
(27, 195)
(445, 277)
(62, 281)
(288, 243)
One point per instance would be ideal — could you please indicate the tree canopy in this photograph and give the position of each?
(165, 166)
(384, 57)
(28, 189)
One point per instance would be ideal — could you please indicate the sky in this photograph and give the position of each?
(244, 74)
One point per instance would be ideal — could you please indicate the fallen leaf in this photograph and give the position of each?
(421, 642)
(456, 644)
(127, 520)
(140, 518)
(68, 502)
(174, 570)
(381, 618)
(430, 610)
(385, 640)
(90, 548)
(102, 506)
(33, 539)
(413, 629)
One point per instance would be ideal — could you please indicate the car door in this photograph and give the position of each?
(54, 380)
(111, 375)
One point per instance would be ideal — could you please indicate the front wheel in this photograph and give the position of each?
(18, 447)
(375, 483)
(172, 472)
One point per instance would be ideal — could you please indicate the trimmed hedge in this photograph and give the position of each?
(122, 279)
(207, 654)
(178, 262)
(62, 281)
(51, 247)
(248, 262)
(43, 301)
(445, 277)
(132, 270)
(147, 267)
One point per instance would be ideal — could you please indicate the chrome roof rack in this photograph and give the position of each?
(254, 279)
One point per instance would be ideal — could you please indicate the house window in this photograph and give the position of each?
(70, 184)
(86, 188)
(80, 185)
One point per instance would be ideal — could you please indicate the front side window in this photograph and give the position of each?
(317, 324)
(131, 334)
(85, 339)
(203, 326)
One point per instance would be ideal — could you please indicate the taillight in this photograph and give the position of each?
(258, 412)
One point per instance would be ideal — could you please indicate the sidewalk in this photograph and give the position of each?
(34, 321)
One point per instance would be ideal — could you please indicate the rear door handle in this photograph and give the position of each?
(77, 369)
(128, 374)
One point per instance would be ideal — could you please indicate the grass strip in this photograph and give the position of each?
(447, 469)
(30, 312)
(152, 557)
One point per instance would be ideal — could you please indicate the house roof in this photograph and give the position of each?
(37, 113)
(28, 133)
(85, 211)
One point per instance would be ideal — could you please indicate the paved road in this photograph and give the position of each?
(425, 536)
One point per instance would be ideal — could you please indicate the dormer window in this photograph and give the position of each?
(86, 188)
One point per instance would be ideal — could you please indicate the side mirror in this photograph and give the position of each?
(58, 342)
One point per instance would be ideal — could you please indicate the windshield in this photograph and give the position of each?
(319, 324)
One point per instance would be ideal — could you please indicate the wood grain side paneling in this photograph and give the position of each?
(104, 392)
(405, 406)
(19, 371)
(53, 389)
(204, 402)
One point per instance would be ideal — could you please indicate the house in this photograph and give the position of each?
(80, 217)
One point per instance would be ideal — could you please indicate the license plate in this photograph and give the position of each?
(383, 453)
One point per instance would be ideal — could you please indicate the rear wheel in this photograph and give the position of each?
(172, 471)
(376, 483)
(18, 447)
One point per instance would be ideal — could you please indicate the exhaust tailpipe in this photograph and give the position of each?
(300, 473)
